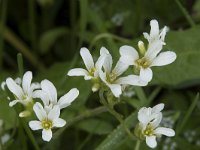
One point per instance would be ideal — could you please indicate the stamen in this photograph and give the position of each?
(47, 124)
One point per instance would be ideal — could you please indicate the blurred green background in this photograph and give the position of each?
(49, 35)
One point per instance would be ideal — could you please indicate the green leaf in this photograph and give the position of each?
(185, 70)
(49, 38)
(119, 134)
(95, 126)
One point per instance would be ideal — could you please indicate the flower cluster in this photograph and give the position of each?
(102, 73)
(27, 93)
(107, 78)
(42, 98)
(148, 127)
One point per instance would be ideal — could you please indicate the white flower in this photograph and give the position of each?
(92, 69)
(23, 93)
(150, 119)
(47, 120)
(48, 95)
(151, 57)
(155, 33)
(110, 77)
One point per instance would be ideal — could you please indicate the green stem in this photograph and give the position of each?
(109, 36)
(137, 146)
(185, 13)
(141, 95)
(85, 115)
(20, 64)
(14, 40)
(3, 16)
(118, 116)
(30, 134)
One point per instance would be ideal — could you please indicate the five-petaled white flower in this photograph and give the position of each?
(150, 57)
(111, 77)
(23, 93)
(92, 69)
(48, 95)
(47, 120)
(149, 120)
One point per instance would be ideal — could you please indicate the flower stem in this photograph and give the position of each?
(118, 116)
(137, 146)
(30, 134)
(3, 12)
(20, 64)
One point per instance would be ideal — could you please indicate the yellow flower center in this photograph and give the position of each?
(47, 124)
(111, 77)
(143, 62)
(92, 71)
(149, 131)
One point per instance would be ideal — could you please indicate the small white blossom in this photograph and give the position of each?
(22, 91)
(111, 76)
(150, 57)
(149, 120)
(92, 70)
(48, 94)
(47, 120)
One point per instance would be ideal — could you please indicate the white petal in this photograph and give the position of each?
(50, 89)
(26, 82)
(35, 86)
(128, 54)
(46, 135)
(164, 58)
(99, 63)
(165, 131)
(12, 103)
(151, 141)
(146, 36)
(24, 113)
(131, 80)
(42, 95)
(156, 118)
(39, 111)
(87, 58)
(153, 49)
(54, 113)
(116, 89)
(68, 98)
(158, 107)
(77, 72)
(104, 51)
(143, 116)
(35, 125)
(14, 88)
(3, 85)
(154, 28)
(88, 77)
(108, 63)
(146, 74)
(163, 33)
(127, 60)
(120, 68)
(18, 81)
(102, 76)
(59, 122)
